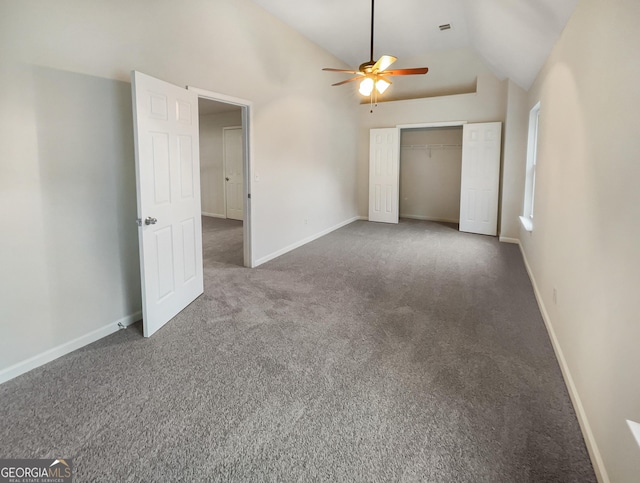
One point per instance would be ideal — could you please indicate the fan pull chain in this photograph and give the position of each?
(373, 103)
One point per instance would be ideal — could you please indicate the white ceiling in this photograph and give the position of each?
(514, 37)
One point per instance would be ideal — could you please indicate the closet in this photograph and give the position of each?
(424, 186)
(430, 168)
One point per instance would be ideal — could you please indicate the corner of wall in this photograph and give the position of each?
(514, 159)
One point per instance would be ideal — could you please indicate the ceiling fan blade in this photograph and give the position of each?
(346, 81)
(417, 70)
(383, 62)
(342, 70)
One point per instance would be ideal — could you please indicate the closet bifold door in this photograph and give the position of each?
(480, 179)
(384, 175)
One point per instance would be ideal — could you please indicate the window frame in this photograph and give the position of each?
(532, 162)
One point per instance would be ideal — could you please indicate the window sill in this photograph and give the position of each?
(527, 223)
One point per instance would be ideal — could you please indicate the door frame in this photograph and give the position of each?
(431, 124)
(422, 125)
(224, 165)
(247, 161)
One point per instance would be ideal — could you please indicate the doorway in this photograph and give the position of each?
(479, 174)
(168, 191)
(221, 182)
(225, 176)
(430, 173)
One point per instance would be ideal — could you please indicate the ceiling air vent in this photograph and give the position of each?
(445, 26)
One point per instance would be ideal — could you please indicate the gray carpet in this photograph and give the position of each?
(221, 242)
(377, 353)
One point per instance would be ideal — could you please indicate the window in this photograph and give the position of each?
(530, 180)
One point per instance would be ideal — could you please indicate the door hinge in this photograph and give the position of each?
(249, 196)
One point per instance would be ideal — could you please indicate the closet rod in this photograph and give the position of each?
(431, 146)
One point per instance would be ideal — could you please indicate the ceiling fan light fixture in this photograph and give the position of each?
(381, 85)
(372, 75)
(366, 86)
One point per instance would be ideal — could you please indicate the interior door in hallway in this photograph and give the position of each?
(480, 178)
(233, 159)
(384, 175)
(168, 192)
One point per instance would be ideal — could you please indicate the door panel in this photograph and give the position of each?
(234, 179)
(189, 247)
(185, 153)
(168, 190)
(384, 175)
(480, 178)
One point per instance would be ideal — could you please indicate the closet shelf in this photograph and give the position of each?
(430, 147)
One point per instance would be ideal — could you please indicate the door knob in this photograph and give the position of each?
(227, 179)
(150, 220)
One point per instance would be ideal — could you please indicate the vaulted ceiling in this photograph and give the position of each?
(513, 37)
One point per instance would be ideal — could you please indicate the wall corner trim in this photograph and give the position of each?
(592, 446)
(66, 348)
(304, 241)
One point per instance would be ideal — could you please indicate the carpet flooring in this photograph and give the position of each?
(408, 352)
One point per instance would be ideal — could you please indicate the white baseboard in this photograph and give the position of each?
(505, 239)
(212, 215)
(429, 218)
(592, 447)
(63, 349)
(298, 244)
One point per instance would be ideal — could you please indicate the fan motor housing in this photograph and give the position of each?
(366, 67)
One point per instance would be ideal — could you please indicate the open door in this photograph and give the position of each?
(480, 178)
(165, 120)
(384, 175)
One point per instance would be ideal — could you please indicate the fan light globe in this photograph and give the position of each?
(366, 86)
(381, 85)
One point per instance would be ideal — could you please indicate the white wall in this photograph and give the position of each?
(69, 249)
(486, 105)
(430, 178)
(513, 161)
(212, 160)
(69, 262)
(450, 72)
(586, 236)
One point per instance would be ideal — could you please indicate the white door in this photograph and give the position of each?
(233, 175)
(480, 178)
(165, 119)
(384, 175)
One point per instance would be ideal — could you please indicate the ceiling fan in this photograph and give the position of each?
(374, 75)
